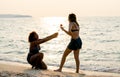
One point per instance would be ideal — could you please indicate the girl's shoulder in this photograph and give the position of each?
(34, 43)
(73, 24)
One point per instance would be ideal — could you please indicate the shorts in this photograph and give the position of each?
(75, 44)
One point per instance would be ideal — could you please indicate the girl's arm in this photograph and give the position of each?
(67, 32)
(40, 41)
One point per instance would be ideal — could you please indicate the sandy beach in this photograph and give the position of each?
(13, 69)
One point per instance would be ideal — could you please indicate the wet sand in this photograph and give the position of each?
(13, 69)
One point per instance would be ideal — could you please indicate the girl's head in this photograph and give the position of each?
(33, 36)
(72, 17)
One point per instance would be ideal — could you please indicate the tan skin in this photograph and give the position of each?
(38, 42)
(74, 35)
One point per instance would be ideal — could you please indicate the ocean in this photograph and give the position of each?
(100, 37)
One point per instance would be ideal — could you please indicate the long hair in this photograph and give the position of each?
(31, 37)
(72, 18)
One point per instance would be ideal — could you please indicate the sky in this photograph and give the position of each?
(61, 7)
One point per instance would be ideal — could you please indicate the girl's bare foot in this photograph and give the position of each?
(58, 70)
(33, 67)
(77, 71)
(81, 72)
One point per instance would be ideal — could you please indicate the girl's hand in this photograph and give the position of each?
(61, 26)
(55, 35)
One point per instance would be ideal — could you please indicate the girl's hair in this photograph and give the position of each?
(72, 18)
(32, 37)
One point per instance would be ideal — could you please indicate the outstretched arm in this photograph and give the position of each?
(46, 38)
(49, 37)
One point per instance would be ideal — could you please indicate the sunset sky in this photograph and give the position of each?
(61, 7)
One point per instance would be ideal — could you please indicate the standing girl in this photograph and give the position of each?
(75, 43)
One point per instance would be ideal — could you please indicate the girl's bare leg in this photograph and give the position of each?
(76, 56)
(35, 59)
(67, 51)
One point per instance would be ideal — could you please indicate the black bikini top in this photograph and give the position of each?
(35, 50)
(74, 30)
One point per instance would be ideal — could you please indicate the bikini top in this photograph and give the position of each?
(35, 49)
(74, 30)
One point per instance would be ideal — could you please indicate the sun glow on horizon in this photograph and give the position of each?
(45, 8)
(52, 24)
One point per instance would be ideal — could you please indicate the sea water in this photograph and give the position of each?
(100, 37)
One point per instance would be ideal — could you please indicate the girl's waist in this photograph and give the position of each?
(74, 38)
